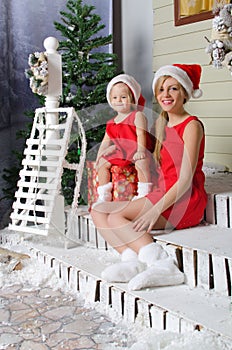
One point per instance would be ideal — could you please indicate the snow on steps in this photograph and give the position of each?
(176, 308)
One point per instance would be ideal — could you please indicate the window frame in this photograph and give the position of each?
(189, 19)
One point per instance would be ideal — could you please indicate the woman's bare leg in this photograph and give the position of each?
(100, 219)
(116, 226)
(114, 221)
(129, 266)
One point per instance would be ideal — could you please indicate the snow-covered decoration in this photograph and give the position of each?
(38, 72)
(39, 205)
(220, 44)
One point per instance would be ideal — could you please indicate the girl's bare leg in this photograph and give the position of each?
(145, 184)
(143, 169)
(103, 169)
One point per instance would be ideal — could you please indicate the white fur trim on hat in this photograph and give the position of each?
(129, 81)
(181, 76)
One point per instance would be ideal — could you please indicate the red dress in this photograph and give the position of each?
(189, 209)
(123, 135)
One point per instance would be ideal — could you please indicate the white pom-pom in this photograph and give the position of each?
(197, 93)
(220, 44)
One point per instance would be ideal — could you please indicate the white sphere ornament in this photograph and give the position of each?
(51, 44)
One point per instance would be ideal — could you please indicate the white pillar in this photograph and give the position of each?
(51, 45)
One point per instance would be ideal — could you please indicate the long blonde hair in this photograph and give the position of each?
(160, 124)
(161, 121)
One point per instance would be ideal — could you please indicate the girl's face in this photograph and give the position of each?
(121, 98)
(170, 95)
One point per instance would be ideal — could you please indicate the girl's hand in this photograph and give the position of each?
(105, 152)
(146, 221)
(139, 155)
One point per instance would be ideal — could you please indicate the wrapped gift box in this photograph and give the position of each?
(92, 182)
(124, 182)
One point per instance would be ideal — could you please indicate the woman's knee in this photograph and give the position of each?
(114, 219)
(94, 215)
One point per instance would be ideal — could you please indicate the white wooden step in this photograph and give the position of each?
(38, 173)
(43, 153)
(33, 219)
(39, 185)
(31, 195)
(33, 142)
(32, 207)
(219, 206)
(39, 163)
(203, 253)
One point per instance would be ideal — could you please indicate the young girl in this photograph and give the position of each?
(126, 139)
(177, 202)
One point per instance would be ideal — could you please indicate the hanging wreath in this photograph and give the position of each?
(220, 44)
(38, 73)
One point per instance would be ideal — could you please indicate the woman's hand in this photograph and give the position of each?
(146, 221)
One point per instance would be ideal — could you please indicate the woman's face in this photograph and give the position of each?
(121, 98)
(170, 95)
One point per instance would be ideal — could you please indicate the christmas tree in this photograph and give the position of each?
(87, 68)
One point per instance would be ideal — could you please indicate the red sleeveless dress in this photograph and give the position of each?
(124, 137)
(189, 209)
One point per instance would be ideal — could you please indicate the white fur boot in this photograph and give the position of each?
(105, 192)
(161, 269)
(124, 270)
(143, 189)
(152, 252)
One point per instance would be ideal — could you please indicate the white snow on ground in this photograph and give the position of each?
(210, 169)
(36, 274)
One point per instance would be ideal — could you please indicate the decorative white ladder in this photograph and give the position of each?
(39, 206)
(40, 179)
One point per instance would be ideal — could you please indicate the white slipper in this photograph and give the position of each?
(162, 273)
(123, 271)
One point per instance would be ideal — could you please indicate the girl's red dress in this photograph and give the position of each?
(189, 209)
(124, 136)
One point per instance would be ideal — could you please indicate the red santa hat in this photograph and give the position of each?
(132, 84)
(188, 75)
